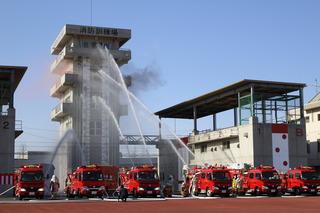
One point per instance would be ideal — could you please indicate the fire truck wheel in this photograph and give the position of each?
(134, 193)
(194, 191)
(79, 195)
(297, 191)
(69, 195)
(241, 193)
(39, 197)
(209, 193)
(257, 192)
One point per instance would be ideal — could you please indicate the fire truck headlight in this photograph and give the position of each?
(140, 189)
(265, 187)
(305, 187)
(157, 188)
(23, 190)
(41, 190)
(102, 188)
(216, 188)
(279, 187)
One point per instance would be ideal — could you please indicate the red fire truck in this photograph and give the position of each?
(29, 182)
(86, 181)
(302, 179)
(141, 181)
(211, 180)
(261, 180)
(111, 177)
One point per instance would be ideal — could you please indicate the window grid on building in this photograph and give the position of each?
(226, 145)
(203, 148)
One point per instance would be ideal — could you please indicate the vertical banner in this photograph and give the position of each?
(280, 147)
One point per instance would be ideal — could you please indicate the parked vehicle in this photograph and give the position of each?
(261, 180)
(86, 181)
(141, 181)
(302, 179)
(29, 182)
(111, 178)
(208, 180)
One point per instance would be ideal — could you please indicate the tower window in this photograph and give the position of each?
(307, 119)
(85, 44)
(226, 145)
(203, 148)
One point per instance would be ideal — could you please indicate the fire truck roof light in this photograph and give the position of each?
(91, 166)
(32, 166)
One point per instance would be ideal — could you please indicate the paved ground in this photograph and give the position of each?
(238, 205)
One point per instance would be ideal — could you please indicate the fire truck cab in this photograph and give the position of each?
(141, 181)
(210, 181)
(302, 179)
(86, 181)
(261, 180)
(29, 182)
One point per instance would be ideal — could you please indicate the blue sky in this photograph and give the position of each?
(197, 46)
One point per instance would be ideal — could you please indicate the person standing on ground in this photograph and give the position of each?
(123, 194)
(54, 186)
(234, 185)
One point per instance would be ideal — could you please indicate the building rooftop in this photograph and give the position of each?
(314, 103)
(5, 73)
(69, 30)
(227, 98)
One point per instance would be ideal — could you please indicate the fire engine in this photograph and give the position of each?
(141, 181)
(261, 180)
(86, 181)
(29, 182)
(210, 180)
(302, 179)
(111, 177)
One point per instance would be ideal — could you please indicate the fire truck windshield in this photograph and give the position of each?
(270, 175)
(220, 176)
(310, 175)
(147, 176)
(31, 176)
(92, 176)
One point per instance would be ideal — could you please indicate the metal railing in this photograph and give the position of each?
(214, 135)
(18, 125)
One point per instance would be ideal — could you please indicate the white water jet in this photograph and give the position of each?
(115, 121)
(68, 136)
(124, 87)
(107, 77)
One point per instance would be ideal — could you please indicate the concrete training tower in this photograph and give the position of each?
(77, 65)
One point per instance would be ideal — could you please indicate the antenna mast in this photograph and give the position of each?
(91, 12)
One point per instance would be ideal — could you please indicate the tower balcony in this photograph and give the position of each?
(209, 135)
(65, 57)
(60, 111)
(65, 82)
(18, 128)
(121, 56)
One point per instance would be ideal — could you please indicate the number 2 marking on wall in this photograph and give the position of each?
(5, 125)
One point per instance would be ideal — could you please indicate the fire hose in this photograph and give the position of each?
(2, 193)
